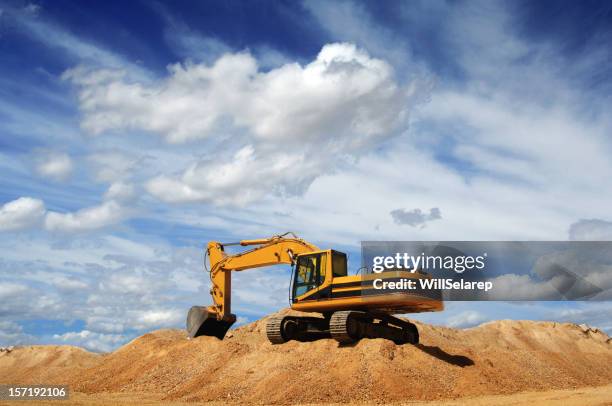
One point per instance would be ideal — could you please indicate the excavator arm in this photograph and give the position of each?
(215, 320)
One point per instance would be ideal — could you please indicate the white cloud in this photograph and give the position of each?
(469, 318)
(598, 314)
(245, 177)
(21, 213)
(93, 341)
(514, 101)
(350, 21)
(57, 166)
(12, 333)
(469, 314)
(116, 286)
(160, 318)
(111, 166)
(240, 320)
(415, 217)
(281, 120)
(127, 283)
(344, 92)
(591, 230)
(90, 218)
(66, 283)
(521, 287)
(18, 298)
(8, 290)
(10, 327)
(120, 191)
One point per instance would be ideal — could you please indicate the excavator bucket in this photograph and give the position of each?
(202, 321)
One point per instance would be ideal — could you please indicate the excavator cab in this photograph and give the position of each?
(313, 274)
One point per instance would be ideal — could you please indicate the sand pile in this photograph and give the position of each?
(43, 363)
(496, 358)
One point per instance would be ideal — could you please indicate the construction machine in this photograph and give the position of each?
(346, 308)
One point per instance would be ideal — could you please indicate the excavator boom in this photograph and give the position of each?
(215, 320)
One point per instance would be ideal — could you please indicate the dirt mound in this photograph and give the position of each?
(44, 363)
(501, 357)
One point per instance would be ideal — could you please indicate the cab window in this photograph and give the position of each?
(339, 263)
(309, 273)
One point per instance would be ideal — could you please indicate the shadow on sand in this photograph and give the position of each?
(459, 360)
(437, 352)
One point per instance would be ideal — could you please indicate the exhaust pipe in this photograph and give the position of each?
(202, 321)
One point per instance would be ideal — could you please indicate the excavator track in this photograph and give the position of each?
(343, 327)
(274, 330)
(281, 329)
(351, 326)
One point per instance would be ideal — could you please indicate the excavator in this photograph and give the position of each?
(345, 307)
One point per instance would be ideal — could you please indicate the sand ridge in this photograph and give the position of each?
(501, 357)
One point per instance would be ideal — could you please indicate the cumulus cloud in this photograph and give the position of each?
(578, 273)
(65, 283)
(120, 191)
(12, 333)
(21, 213)
(26, 212)
(469, 318)
(594, 314)
(54, 165)
(8, 290)
(117, 287)
(415, 217)
(156, 318)
(128, 283)
(246, 176)
(344, 89)
(111, 165)
(288, 125)
(10, 327)
(591, 230)
(511, 286)
(19, 300)
(93, 341)
(90, 218)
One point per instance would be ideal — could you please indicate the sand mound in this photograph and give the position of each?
(43, 363)
(501, 357)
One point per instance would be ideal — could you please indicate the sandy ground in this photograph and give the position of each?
(503, 362)
(599, 396)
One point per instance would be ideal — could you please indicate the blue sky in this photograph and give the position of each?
(133, 133)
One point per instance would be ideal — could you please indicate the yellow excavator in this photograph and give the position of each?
(349, 307)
